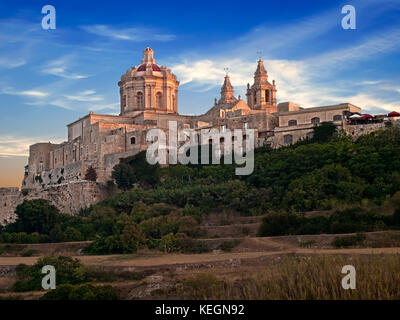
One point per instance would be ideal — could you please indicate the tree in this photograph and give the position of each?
(91, 174)
(35, 216)
(324, 132)
(124, 176)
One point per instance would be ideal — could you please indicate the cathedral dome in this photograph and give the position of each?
(155, 67)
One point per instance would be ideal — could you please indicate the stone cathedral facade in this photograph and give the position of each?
(149, 99)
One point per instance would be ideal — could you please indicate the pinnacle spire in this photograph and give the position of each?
(148, 56)
(227, 91)
(260, 69)
(227, 85)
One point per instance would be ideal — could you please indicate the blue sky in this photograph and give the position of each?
(49, 78)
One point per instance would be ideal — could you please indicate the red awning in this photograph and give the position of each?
(394, 114)
(366, 116)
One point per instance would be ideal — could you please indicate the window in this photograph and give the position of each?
(266, 95)
(315, 120)
(41, 166)
(222, 140)
(246, 125)
(223, 128)
(337, 117)
(133, 140)
(255, 98)
(288, 139)
(292, 123)
(310, 135)
(158, 100)
(123, 101)
(139, 98)
(95, 147)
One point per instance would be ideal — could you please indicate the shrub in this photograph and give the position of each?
(201, 286)
(189, 245)
(35, 216)
(168, 243)
(227, 246)
(30, 277)
(28, 253)
(81, 292)
(91, 174)
(349, 241)
(307, 244)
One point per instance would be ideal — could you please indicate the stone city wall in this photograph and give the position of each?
(69, 198)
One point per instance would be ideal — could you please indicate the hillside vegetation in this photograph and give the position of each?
(162, 207)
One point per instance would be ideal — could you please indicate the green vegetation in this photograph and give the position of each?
(162, 207)
(227, 246)
(307, 244)
(81, 292)
(349, 241)
(69, 271)
(355, 219)
(91, 174)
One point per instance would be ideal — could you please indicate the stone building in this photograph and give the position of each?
(149, 99)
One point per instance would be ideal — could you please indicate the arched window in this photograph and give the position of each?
(266, 95)
(292, 123)
(337, 117)
(255, 98)
(158, 100)
(315, 120)
(139, 99)
(133, 140)
(288, 139)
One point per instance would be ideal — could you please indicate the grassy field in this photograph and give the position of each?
(301, 277)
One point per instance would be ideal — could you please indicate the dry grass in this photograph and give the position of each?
(303, 277)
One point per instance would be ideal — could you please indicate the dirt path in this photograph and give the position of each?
(176, 259)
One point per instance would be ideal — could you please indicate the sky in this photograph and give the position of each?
(49, 78)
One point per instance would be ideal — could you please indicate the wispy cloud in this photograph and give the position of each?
(10, 63)
(138, 34)
(28, 93)
(85, 96)
(59, 68)
(18, 146)
(312, 78)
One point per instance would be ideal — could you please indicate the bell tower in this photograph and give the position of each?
(262, 94)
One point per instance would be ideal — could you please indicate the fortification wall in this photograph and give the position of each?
(360, 129)
(8, 199)
(69, 198)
